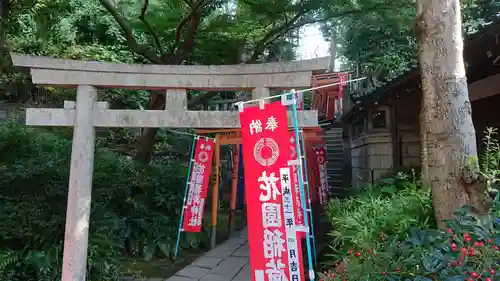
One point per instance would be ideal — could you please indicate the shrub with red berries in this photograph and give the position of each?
(467, 250)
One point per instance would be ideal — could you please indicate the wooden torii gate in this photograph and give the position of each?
(87, 112)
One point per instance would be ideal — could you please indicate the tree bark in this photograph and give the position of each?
(424, 159)
(448, 128)
(4, 22)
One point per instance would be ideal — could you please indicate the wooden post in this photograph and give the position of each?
(215, 192)
(244, 211)
(258, 93)
(80, 187)
(234, 190)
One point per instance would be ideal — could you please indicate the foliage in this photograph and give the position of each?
(489, 160)
(466, 251)
(387, 232)
(134, 210)
(381, 44)
(391, 208)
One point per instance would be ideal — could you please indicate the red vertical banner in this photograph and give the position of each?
(343, 78)
(269, 194)
(297, 202)
(198, 185)
(299, 97)
(299, 210)
(313, 174)
(322, 184)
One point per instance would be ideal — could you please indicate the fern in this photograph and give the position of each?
(490, 158)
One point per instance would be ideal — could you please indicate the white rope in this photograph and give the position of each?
(188, 134)
(299, 91)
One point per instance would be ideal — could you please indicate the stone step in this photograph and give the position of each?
(335, 154)
(333, 134)
(333, 130)
(334, 161)
(333, 146)
(334, 169)
(332, 138)
(335, 179)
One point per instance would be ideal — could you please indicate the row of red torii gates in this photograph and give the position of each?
(87, 113)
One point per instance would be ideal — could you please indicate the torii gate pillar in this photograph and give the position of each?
(80, 187)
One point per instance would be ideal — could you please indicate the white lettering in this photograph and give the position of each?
(275, 270)
(271, 215)
(268, 186)
(255, 127)
(273, 243)
(271, 124)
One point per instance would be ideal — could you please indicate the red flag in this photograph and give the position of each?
(299, 210)
(198, 185)
(299, 96)
(322, 184)
(343, 79)
(313, 175)
(272, 236)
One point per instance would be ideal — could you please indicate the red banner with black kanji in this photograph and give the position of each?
(198, 185)
(273, 243)
(322, 183)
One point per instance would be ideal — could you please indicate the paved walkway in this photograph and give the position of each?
(226, 262)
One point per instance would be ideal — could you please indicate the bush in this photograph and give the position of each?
(388, 232)
(134, 211)
(390, 208)
(466, 251)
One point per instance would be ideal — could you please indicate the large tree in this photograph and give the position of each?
(260, 26)
(446, 112)
(382, 43)
(4, 16)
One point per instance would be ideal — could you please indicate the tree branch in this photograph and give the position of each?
(189, 3)
(178, 31)
(140, 49)
(277, 31)
(198, 99)
(292, 24)
(142, 17)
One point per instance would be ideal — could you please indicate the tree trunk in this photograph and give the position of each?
(449, 130)
(146, 142)
(424, 159)
(4, 22)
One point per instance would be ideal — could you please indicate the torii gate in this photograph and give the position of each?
(87, 113)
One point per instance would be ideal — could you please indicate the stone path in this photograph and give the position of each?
(227, 262)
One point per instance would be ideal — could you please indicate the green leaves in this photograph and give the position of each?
(383, 236)
(368, 221)
(132, 205)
